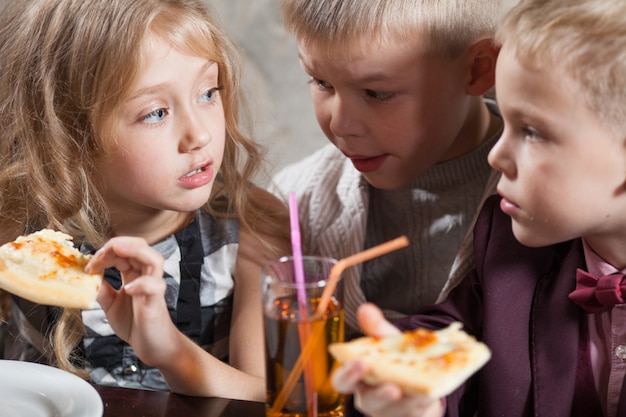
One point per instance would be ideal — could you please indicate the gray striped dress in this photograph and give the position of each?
(199, 268)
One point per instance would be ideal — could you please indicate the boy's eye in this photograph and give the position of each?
(321, 84)
(530, 133)
(380, 96)
(155, 116)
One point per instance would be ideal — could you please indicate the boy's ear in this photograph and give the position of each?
(482, 57)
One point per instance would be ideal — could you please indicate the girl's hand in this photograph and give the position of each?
(137, 312)
(385, 400)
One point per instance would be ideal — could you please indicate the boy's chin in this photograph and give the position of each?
(532, 238)
(384, 182)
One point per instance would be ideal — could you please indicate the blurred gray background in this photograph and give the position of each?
(275, 86)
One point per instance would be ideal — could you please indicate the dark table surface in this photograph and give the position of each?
(127, 402)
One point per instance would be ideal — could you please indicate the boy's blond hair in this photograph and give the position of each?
(445, 26)
(584, 38)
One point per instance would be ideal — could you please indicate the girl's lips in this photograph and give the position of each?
(368, 164)
(198, 177)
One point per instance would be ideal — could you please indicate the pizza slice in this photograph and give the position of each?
(46, 268)
(420, 362)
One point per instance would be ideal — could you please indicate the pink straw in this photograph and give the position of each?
(296, 246)
(304, 329)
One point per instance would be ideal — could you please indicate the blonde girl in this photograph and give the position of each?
(120, 126)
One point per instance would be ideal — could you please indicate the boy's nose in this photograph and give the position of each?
(345, 120)
(500, 156)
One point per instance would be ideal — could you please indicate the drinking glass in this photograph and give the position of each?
(296, 380)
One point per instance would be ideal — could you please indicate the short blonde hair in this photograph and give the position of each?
(448, 26)
(585, 38)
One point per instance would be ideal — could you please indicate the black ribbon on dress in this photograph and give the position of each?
(188, 315)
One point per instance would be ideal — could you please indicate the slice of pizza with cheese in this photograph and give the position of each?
(420, 362)
(46, 268)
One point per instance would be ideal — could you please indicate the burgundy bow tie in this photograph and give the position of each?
(595, 294)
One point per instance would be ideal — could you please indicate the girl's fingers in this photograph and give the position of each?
(127, 254)
(146, 286)
(106, 296)
(141, 267)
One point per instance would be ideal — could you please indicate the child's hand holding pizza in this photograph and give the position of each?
(404, 374)
(386, 399)
(137, 312)
(45, 267)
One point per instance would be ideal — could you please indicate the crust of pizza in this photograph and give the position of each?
(421, 362)
(44, 267)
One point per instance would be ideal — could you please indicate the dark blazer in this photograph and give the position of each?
(516, 301)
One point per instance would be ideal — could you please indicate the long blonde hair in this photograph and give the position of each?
(65, 67)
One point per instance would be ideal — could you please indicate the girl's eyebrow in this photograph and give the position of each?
(152, 89)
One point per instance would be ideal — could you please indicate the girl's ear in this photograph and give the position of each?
(482, 57)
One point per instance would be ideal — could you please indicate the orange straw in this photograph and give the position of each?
(357, 258)
(333, 280)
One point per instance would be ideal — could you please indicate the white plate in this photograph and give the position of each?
(33, 390)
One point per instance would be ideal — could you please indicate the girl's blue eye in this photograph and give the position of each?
(209, 95)
(155, 116)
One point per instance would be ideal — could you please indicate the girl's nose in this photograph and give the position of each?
(196, 134)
